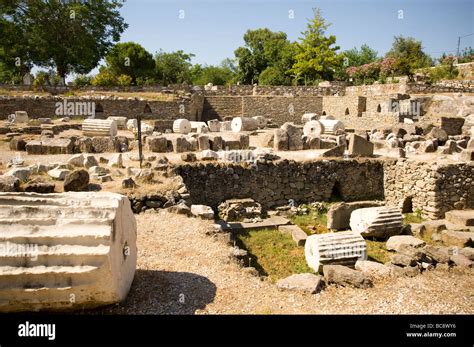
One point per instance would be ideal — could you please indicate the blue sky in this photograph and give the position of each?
(213, 29)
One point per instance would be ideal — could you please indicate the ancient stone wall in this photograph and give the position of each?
(281, 109)
(431, 188)
(278, 108)
(40, 107)
(338, 106)
(274, 184)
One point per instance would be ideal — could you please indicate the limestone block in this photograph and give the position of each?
(209, 155)
(76, 160)
(58, 173)
(99, 127)
(202, 211)
(57, 146)
(102, 144)
(84, 248)
(121, 121)
(395, 243)
(214, 125)
(22, 173)
(341, 248)
(305, 283)
(359, 146)
(295, 133)
(180, 145)
(372, 269)
(203, 142)
(460, 217)
(380, 222)
(116, 161)
(337, 151)
(280, 140)
(132, 124)
(344, 276)
(217, 144)
(157, 144)
(17, 144)
(9, 184)
(297, 234)
(226, 126)
(20, 117)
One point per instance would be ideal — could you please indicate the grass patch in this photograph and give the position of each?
(376, 251)
(311, 223)
(273, 253)
(414, 217)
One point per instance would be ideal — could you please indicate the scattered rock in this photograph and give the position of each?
(305, 282)
(188, 157)
(395, 242)
(76, 181)
(128, 183)
(372, 269)
(461, 260)
(344, 276)
(202, 211)
(9, 184)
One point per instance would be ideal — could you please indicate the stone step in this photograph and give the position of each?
(460, 217)
(298, 235)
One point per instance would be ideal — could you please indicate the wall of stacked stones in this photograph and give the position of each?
(281, 109)
(278, 108)
(448, 86)
(45, 107)
(433, 189)
(275, 183)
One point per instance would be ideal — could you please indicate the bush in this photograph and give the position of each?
(82, 81)
(41, 79)
(104, 79)
(124, 81)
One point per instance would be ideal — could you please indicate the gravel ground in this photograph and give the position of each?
(181, 270)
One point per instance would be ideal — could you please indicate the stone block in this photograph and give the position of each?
(359, 146)
(85, 247)
(305, 283)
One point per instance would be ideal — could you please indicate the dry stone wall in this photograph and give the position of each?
(429, 187)
(275, 183)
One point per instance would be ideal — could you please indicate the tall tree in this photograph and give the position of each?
(317, 56)
(408, 55)
(131, 59)
(173, 67)
(70, 36)
(263, 48)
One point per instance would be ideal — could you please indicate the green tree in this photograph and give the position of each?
(173, 67)
(408, 55)
(217, 75)
(130, 59)
(264, 48)
(316, 56)
(69, 36)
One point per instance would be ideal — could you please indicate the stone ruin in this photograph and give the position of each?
(243, 165)
(65, 251)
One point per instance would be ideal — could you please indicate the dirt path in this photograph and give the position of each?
(181, 270)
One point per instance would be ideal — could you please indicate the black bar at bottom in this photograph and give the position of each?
(451, 330)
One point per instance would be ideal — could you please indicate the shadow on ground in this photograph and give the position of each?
(164, 292)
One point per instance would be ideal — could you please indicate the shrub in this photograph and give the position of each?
(82, 81)
(124, 81)
(104, 79)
